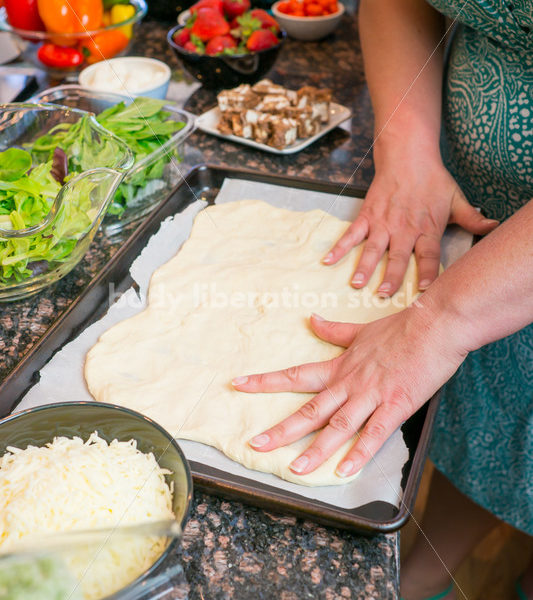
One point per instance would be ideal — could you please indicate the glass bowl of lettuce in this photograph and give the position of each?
(155, 130)
(52, 203)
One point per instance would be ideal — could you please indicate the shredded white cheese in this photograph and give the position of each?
(68, 485)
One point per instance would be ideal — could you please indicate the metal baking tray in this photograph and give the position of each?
(205, 181)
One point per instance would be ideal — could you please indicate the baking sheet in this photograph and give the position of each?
(62, 379)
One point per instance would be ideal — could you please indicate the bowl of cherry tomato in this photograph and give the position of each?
(308, 20)
(223, 43)
(64, 36)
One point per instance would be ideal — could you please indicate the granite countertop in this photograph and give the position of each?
(233, 551)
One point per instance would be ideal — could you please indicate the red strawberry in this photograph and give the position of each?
(218, 43)
(216, 4)
(235, 8)
(190, 47)
(267, 21)
(182, 36)
(208, 24)
(243, 26)
(261, 40)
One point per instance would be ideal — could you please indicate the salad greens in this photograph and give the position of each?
(14, 163)
(25, 200)
(29, 182)
(143, 125)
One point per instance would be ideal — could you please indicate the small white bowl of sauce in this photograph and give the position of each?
(129, 76)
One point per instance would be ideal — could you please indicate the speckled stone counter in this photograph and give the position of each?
(233, 551)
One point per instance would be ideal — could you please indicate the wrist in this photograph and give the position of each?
(406, 138)
(440, 314)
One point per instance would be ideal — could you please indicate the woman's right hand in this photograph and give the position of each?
(408, 206)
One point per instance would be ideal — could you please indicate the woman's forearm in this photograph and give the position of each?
(488, 293)
(398, 37)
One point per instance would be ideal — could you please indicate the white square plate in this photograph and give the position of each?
(208, 122)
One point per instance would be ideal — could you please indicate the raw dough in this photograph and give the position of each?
(235, 300)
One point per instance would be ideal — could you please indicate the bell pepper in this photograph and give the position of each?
(121, 13)
(60, 57)
(70, 16)
(106, 18)
(23, 14)
(104, 45)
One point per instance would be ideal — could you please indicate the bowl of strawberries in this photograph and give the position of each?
(224, 43)
(308, 20)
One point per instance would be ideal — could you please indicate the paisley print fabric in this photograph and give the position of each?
(483, 440)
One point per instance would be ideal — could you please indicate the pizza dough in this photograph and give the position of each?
(236, 299)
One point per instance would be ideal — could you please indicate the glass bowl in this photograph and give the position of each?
(38, 426)
(163, 177)
(33, 257)
(29, 42)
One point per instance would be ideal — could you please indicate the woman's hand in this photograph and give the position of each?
(408, 206)
(390, 368)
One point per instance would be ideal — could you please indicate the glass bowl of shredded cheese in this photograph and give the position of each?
(81, 467)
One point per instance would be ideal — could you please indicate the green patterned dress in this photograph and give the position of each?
(483, 439)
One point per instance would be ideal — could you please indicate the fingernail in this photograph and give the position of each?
(317, 317)
(425, 283)
(259, 440)
(491, 222)
(345, 468)
(328, 258)
(299, 464)
(358, 279)
(239, 380)
(384, 289)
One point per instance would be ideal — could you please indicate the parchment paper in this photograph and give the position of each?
(62, 378)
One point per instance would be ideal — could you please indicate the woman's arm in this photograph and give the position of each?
(393, 365)
(398, 37)
(412, 196)
(488, 293)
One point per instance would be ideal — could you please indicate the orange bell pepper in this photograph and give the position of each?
(104, 45)
(70, 16)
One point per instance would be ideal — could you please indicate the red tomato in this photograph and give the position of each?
(285, 7)
(60, 57)
(313, 10)
(23, 14)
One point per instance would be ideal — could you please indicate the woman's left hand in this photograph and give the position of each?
(390, 368)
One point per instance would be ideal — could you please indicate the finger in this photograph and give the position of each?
(400, 249)
(340, 334)
(308, 418)
(311, 377)
(465, 215)
(427, 252)
(381, 425)
(354, 235)
(375, 247)
(342, 425)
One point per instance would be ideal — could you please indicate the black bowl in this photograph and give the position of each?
(216, 72)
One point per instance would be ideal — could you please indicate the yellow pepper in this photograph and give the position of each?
(121, 13)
